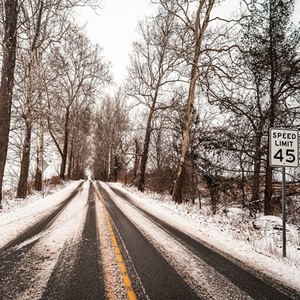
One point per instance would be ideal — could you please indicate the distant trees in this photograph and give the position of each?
(76, 71)
(112, 125)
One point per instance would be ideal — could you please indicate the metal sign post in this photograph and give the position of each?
(284, 152)
(283, 215)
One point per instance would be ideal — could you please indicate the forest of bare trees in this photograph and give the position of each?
(190, 119)
(51, 79)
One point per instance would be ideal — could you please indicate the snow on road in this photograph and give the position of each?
(198, 274)
(113, 279)
(213, 230)
(31, 275)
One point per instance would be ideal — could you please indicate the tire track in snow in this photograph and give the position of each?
(157, 277)
(32, 261)
(40, 226)
(78, 273)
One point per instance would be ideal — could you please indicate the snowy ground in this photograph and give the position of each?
(32, 273)
(232, 233)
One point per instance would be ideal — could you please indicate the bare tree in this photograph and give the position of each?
(80, 145)
(194, 17)
(273, 56)
(7, 79)
(152, 64)
(78, 71)
(41, 22)
(33, 32)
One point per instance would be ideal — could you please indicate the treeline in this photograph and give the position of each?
(203, 93)
(51, 76)
(192, 117)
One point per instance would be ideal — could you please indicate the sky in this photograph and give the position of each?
(114, 27)
(114, 30)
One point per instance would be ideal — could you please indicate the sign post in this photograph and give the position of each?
(284, 152)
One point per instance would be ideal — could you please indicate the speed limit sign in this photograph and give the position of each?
(284, 147)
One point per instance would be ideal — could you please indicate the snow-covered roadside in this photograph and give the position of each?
(64, 234)
(215, 231)
(19, 218)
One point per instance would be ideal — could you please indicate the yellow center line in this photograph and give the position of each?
(126, 279)
(103, 243)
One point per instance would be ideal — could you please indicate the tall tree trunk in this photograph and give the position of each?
(109, 163)
(144, 159)
(25, 162)
(64, 155)
(179, 179)
(269, 204)
(136, 162)
(116, 168)
(141, 183)
(71, 168)
(7, 80)
(23, 180)
(254, 206)
(38, 179)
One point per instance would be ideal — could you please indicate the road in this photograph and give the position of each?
(89, 247)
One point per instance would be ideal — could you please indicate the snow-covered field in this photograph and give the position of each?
(258, 244)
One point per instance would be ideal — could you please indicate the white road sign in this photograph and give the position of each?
(284, 147)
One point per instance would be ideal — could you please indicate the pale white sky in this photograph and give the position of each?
(114, 28)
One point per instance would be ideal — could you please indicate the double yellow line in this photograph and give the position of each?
(126, 279)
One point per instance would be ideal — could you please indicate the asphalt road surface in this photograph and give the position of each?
(87, 248)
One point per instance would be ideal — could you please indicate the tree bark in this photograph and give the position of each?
(7, 80)
(141, 183)
(22, 186)
(65, 148)
(254, 206)
(136, 162)
(71, 168)
(38, 178)
(269, 204)
(177, 190)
